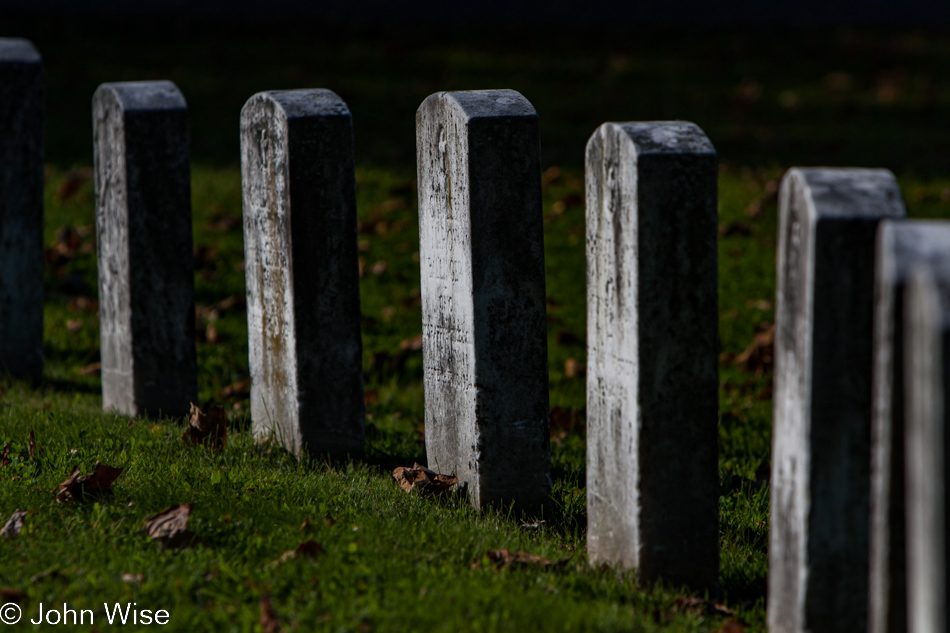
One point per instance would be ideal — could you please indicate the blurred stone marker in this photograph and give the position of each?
(302, 271)
(901, 245)
(926, 358)
(483, 296)
(818, 550)
(21, 209)
(652, 357)
(146, 266)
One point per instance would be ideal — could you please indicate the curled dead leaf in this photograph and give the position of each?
(170, 526)
(759, 355)
(208, 429)
(99, 481)
(424, 479)
(14, 525)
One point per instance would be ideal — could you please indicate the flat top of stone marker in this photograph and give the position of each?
(909, 243)
(144, 96)
(486, 104)
(667, 137)
(307, 103)
(17, 49)
(849, 192)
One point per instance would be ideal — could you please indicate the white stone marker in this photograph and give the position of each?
(146, 263)
(926, 374)
(483, 299)
(302, 270)
(818, 550)
(21, 209)
(901, 246)
(652, 352)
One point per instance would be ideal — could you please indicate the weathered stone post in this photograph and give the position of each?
(818, 550)
(901, 246)
(652, 352)
(927, 378)
(483, 299)
(21, 209)
(302, 270)
(146, 265)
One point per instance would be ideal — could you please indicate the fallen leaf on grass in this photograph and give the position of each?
(759, 355)
(92, 369)
(413, 344)
(269, 622)
(5, 455)
(31, 448)
(507, 558)
(9, 594)
(13, 526)
(132, 578)
(170, 526)
(309, 549)
(732, 626)
(78, 485)
(700, 606)
(573, 368)
(209, 429)
(237, 390)
(424, 479)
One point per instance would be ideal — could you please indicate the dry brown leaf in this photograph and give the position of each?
(236, 390)
(378, 268)
(170, 526)
(759, 355)
(9, 594)
(269, 622)
(309, 549)
(208, 429)
(507, 558)
(413, 344)
(701, 607)
(77, 486)
(132, 578)
(14, 525)
(424, 479)
(5, 455)
(732, 626)
(92, 369)
(573, 368)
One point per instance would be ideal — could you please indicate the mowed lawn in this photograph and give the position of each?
(368, 556)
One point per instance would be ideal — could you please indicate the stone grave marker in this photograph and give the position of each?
(21, 209)
(146, 265)
(652, 352)
(818, 550)
(926, 374)
(483, 295)
(901, 245)
(302, 271)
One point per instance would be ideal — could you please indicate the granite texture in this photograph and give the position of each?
(927, 383)
(146, 266)
(901, 246)
(483, 297)
(302, 271)
(818, 550)
(21, 209)
(652, 352)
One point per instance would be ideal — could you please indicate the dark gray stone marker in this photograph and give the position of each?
(901, 246)
(21, 209)
(927, 383)
(146, 265)
(821, 437)
(652, 352)
(302, 271)
(483, 300)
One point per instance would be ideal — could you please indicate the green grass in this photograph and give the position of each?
(393, 561)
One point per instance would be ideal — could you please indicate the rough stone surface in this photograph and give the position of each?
(652, 352)
(483, 299)
(21, 209)
(146, 266)
(818, 550)
(901, 246)
(302, 271)
(927, 379)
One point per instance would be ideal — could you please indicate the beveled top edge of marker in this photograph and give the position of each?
(303, 103)
(145, 96)
(848, 192)
(488, 104)
(18, 49)
(666, 137)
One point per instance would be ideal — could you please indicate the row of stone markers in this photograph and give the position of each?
(837, 542)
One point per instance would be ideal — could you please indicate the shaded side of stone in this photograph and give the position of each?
(146, 269)
(901, 246)
(818, 551)
(302, 271)
(652, 392)
(21, 209)
(927, 379)
(483, 295)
